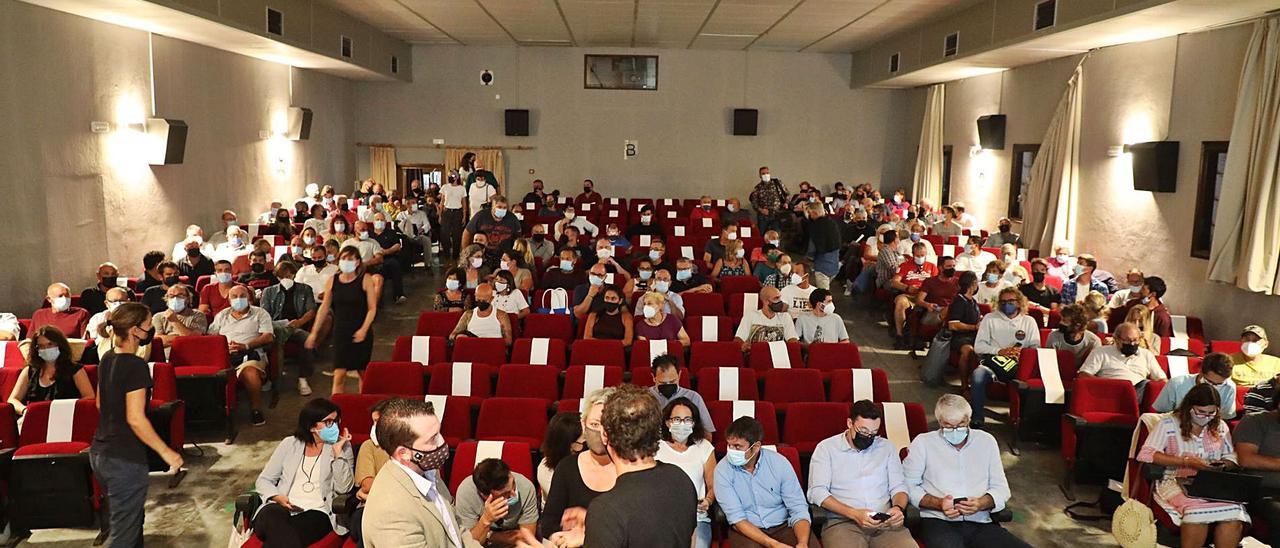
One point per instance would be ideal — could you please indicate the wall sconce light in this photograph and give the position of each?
(1115, 151)
(975, 150)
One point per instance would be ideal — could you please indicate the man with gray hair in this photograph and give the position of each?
(955, 477)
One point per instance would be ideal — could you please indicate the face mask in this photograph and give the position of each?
(661, 286)
(193, 252)
(477, 262)
(452, 285)
(1201, 420)
(49, 354)
(915, 236)
(1004, 228)
(764, 178)
(1251, 349)
(500, 287)
(668, 390)
(684, 275)
(339, 228)
(61, 304)
(654, 255)
(594, 443)
(413, 207)
(566, 266)
(568, 216)
(499, 212)
(650, 311)
(513, 502)
(1078, 270)
(508, 266)
(604, 253)
(111, 306)
(680, 432)
(1129, 349)
(429, 461)
(795, 279)
(377, 225)
(956, 436)
(1146, 300)
(364, 234)
(706, 207)
(258, 268)
(483, 305)
(239, 304)
(1062, 258)
(223, 277)
(736, 457)
(993, 278)
(646, 274)
(329, 434)
(331, 257)
(595, 280)
(539, 238)
(347, 266)
(829, 308)
(948, 272)
(1037, 277)
(612, 307)
(732, 208)
(863, 442)
(919, 261)
(646, 219)
(776, 242)
(1009, 309)
(777, 306)
(740, 253)
(237, 241)
(177, 304)
(785, 269)
(286, 283)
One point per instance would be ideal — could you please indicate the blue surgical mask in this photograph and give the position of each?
(684, 275)
(177, 304)
(347, 266)
(736, 457)
(499, 212)
(955, 436)
(452, 285)
(661, 286)
(654, 255)
(1009, 309)
(1146, 300)
(223, 277)
(329, 434)
(1078, 270)
(595, 280)
(993, 278)
(239, 304)
(566, 265)
(646, 274)
(49, 354)
(915, 236)
(919, 261)
(513, 502)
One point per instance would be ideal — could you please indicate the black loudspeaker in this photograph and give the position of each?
(168, 141)
(299, 124)
(1155, 166)
(744, 121)
(517, 123)
(991, 131)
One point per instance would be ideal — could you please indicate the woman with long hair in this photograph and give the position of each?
(609, 318)
(684, 443)
(563, 438)
(352, 297)
(50, 373)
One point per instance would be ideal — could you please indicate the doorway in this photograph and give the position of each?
(427, 173)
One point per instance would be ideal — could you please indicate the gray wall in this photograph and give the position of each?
(812, 126)
(76, 199)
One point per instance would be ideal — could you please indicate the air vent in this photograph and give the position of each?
(346, 47)
(1046, 14)
(395, 65)
(893, 62)
(275, 22)
(951, 45)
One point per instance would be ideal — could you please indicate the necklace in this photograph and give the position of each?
(308, 486)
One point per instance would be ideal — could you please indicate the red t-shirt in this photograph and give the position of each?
(913, 275)
(939, 291)
(72, 322)
(210, 296)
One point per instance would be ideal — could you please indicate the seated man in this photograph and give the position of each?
(115, 297)
(911, 275)
(733, 213)
(714, 250)
(193, 234)
(974, 259)
(688, 279)
(1257, 444)
(248, 331)
(1125, 359)
(955, 477)
(229, 220)
(370, 250)
(150, 271)
(1251, 365)
(564, 274)
(258, 271)
(770, 323)
(292, 307)
(821, 323)
(666, 387)
(94, 298)
(60, 313)
(571, 218)
(539, 245)
(1039, 292)
(1073, 333)
(797, 290)
(155, 296)
(236, 245)
(868, 507)
(759, 492)
(388, 241)
(214, 298)
(1002, 335)
(587, 295)
(1081, 282)
(317, 271)
(498, 506)
(483, 321)
(645, 226)
(1215, 370)
(194, 262)
(180, 317)
(415, 224)
(1005, 234)
(604, 254)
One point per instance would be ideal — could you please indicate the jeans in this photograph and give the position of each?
(451, 225)
(982, 376)
(702, 535)
(768, 222)
(866, 281)
(392, 270)
(126, 485)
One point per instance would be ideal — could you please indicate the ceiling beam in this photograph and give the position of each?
(560, 9)
(845, 26)
(497, 22)
(775, 23)
(429, 22)
(635, 17)
(705, 20)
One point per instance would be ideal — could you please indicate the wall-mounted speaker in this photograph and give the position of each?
(517, 123)
(299, 124)
(744, 121)
(991, 131)
(168, 141)
(1155, 166)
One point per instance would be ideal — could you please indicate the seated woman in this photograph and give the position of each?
(50, 373)
(610, 320)
(562, 439)
(579, 480)
(309, 237)
(684, 443)
(1193, 438)
(507, 297)
(733, 263)
(452, 298)
(339, 229)
(1096, 312)
(1140, 316)
(475, 271)
(300, 481)
(991, 283)
(643, 278)
(513, 262)
(655, 324)
(283, 225)
(370, 460)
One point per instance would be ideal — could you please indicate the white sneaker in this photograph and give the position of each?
(266, 386)
(304, 387)
(401, 299)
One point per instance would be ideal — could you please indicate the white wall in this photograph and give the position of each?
(80, 198)
(1181, 88)
(812, 126)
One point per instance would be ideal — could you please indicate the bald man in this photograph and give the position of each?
(483, 320)
(94, 298)
(114, 297)
(770, 323)
(71, 320)
(249, 334)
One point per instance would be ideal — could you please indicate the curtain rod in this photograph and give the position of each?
(486, 147)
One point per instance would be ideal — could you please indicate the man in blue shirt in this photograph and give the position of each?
(759, 492)
(1215, 370)
(857, 476)
(954, 475)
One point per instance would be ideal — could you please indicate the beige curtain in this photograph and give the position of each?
(490, 158)
(1052, 194)
(382, 167)
(928, 180)
(1246, 234)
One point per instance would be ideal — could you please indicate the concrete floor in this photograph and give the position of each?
(198, 512)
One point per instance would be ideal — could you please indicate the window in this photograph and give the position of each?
(951, 45)
(275, 22)
(1020, 176)
(628, 72)
(346, 48)
(1046, 14)
(395, 65)
(1213, 163)
(946, 176)
(893, 62)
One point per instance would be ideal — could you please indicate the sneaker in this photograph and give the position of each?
(304, 387)
(848, 290)
(401, 299)
(266, 386)
(257, 418)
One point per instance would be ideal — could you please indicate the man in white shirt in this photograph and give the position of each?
(770, 323)
(915, 234)
(416, 227)
(317, 222)
(1124, 359)
(269, 216)
(249, 333)
(796, 293)
(1134, 279)
(9, 327)
(228, 220)
(821, 324)
(375, 206)
(196, 234)
(571, 218)
(974, 259)
(478, 195)
(965, 219)
(317, 272)
(236, 245)
(370, 250)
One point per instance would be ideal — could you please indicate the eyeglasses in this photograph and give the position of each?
(680, 420)
(329, 422)
(1203, 415)
(866, 432)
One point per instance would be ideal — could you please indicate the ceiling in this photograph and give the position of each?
(778, 25)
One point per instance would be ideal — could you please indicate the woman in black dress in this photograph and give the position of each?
(352, 297)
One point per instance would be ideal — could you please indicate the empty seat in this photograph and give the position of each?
(715, 354)
(829, 356)
(393, 379)
(424, 350)
(355, 414)
(1187, 327)
(1044, 378)
(703, 304)
(460, 379)
(1226, 347)
(786, 386)
(528, 381)
(811, 422)
(10, 355)
(513, 419)
(1098, 425)
(597, 352)
(469, 454)
(851, 385)
(540, 351)
(709, 328)
(739, 284)
(50, 469)
(643, 352)
(438, 324)
(727, 383)
(901, 422)
(1173, 344)
(582, 380)
(723, 413)
(479, 350)
(551, 326)
(455, 414)
(1176, 366)
(775, 355)
(199, 362)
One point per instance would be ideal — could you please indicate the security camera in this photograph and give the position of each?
(486, 78)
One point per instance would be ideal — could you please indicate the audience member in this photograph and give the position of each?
(821, 323)
(823, 245)
(320, 267)
(1073, 334)
(689, 280)
(94, 299)
(1001, 337)
(907, 282)
(535, 195)
(1132, 290)
(1140, 316)
(214, 297)
(965, 218)
(974, 259)
(609, 318)
(769, 265)
(259, 274)
(507, 297)
(393, 267)
(666, 389)
(453, 217)
(180, 317)
(949, 226)
(150, 270)
(563, 275)
(317, 220)
(1082, 281)
(237, 245)
(992, 283)
(154, 296)
(589, 196)
(194, 263)
(768, 199)
(49, 374)
(915, 234)
(732, 263)
(674, 304)
(1095, 309)
(769, 323)
(1039, 292)
(452, 298)
(193, 234)
(578, 481)
(498, 505)
(249, 333)
(888, 260)
(1251, 365)
(351, 300)
(797, 289)
(655, 322)
(1004, 235)
(760, 254)
(1257, 438)
(499, 228)
(1215, 371)
(733, 213)
(60, 313)
(781, 277)
(571, 218)
(116, 296)
(759, 492)
(563, 439)
(1124, 359)
(685, 444)
(339, 229)
(715, 248)
(483, 321)
(292, 307)
(961, 321)
(587, 296)
(473, 266)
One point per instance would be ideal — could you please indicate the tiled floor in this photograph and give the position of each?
(198, 512)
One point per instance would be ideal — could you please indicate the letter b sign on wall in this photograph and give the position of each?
(629, 148)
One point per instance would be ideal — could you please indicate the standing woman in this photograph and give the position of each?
(119, 450)
(352, 296)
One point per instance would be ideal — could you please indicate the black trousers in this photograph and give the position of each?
(1267, 509)
(451, 225)
(937, 533)
(394, 272)
(277, 528)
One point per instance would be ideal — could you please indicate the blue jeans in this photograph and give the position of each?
(126, 485)
(702, 535)
(978, 394)
(866, 280)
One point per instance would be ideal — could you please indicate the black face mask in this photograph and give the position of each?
(706, 207)
(172, 281)
(863, 442)
(948, 272)
(1129, 349)
(258, 268)
(193, 252)
(482, 305)
(110, 281)
(343, 207)
(611, 307)
(667, 390)
(778, 306)
(1005, 228)
(1037, 277)
(151, 334)
(539, 237)
(586, 189)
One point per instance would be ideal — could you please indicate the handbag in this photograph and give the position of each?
(1133, 525)
(555, 301)
(935, 362)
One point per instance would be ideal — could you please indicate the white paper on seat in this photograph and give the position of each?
(744, 408)
(538, 350)
(710, 330)
(638, 206)
(672, 214)
(668, 201)
(686, 251)
(437, 402)
(613, 201)
(778, 352)
(592, 379)
(720, 203)
(679, 230)
(1178, 343)
(895, 424)
(582, 406)
(586, 206)
(420, 350)
(948, 250)
(1178, 366)
(750, 301)
(608, 277)
(728, 384)
(254, 229)
(862, 388)
(1054, 392)
(1044, 318)
(122, 281)
(62, 417)
(613, 214)
(151, 369)
(773, 448)
(461, 379)
(645, 240)
(280, 251)
(657, 348)
(1022, 254)
(706, 222)
(1179, 326)
(744, 231)
(488, 450)
(4, 351)
(546, 227)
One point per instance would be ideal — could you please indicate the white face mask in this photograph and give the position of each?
(477, 262)
(650, 311)
(829, 308)
(785, 269)
(286, 283)
(500, 287)
(61, 304)
(765, 178)
(604, 253)
(731, 236)
(1251, 349)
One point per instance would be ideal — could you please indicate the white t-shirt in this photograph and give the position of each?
(797, 299)
(511, 303)
(989, 295)
(479, 195)
(368, 248)
(298, 495)
(967, 262)
(693, 461)
(755, 327)
(829, 328)
(318, 280)
(453, 196)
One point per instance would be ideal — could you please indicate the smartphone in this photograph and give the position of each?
(880, 516)
(959, 500)
(1218, 464)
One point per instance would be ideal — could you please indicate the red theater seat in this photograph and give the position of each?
(775, 355)
(723, 413)
(423, 350)
(393, 379)
(850, 385)
(513, 419)
(727, 384)
(715, 354)
(468, 379)
(540, 351)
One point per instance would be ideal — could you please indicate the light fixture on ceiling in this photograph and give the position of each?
(720, 35)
